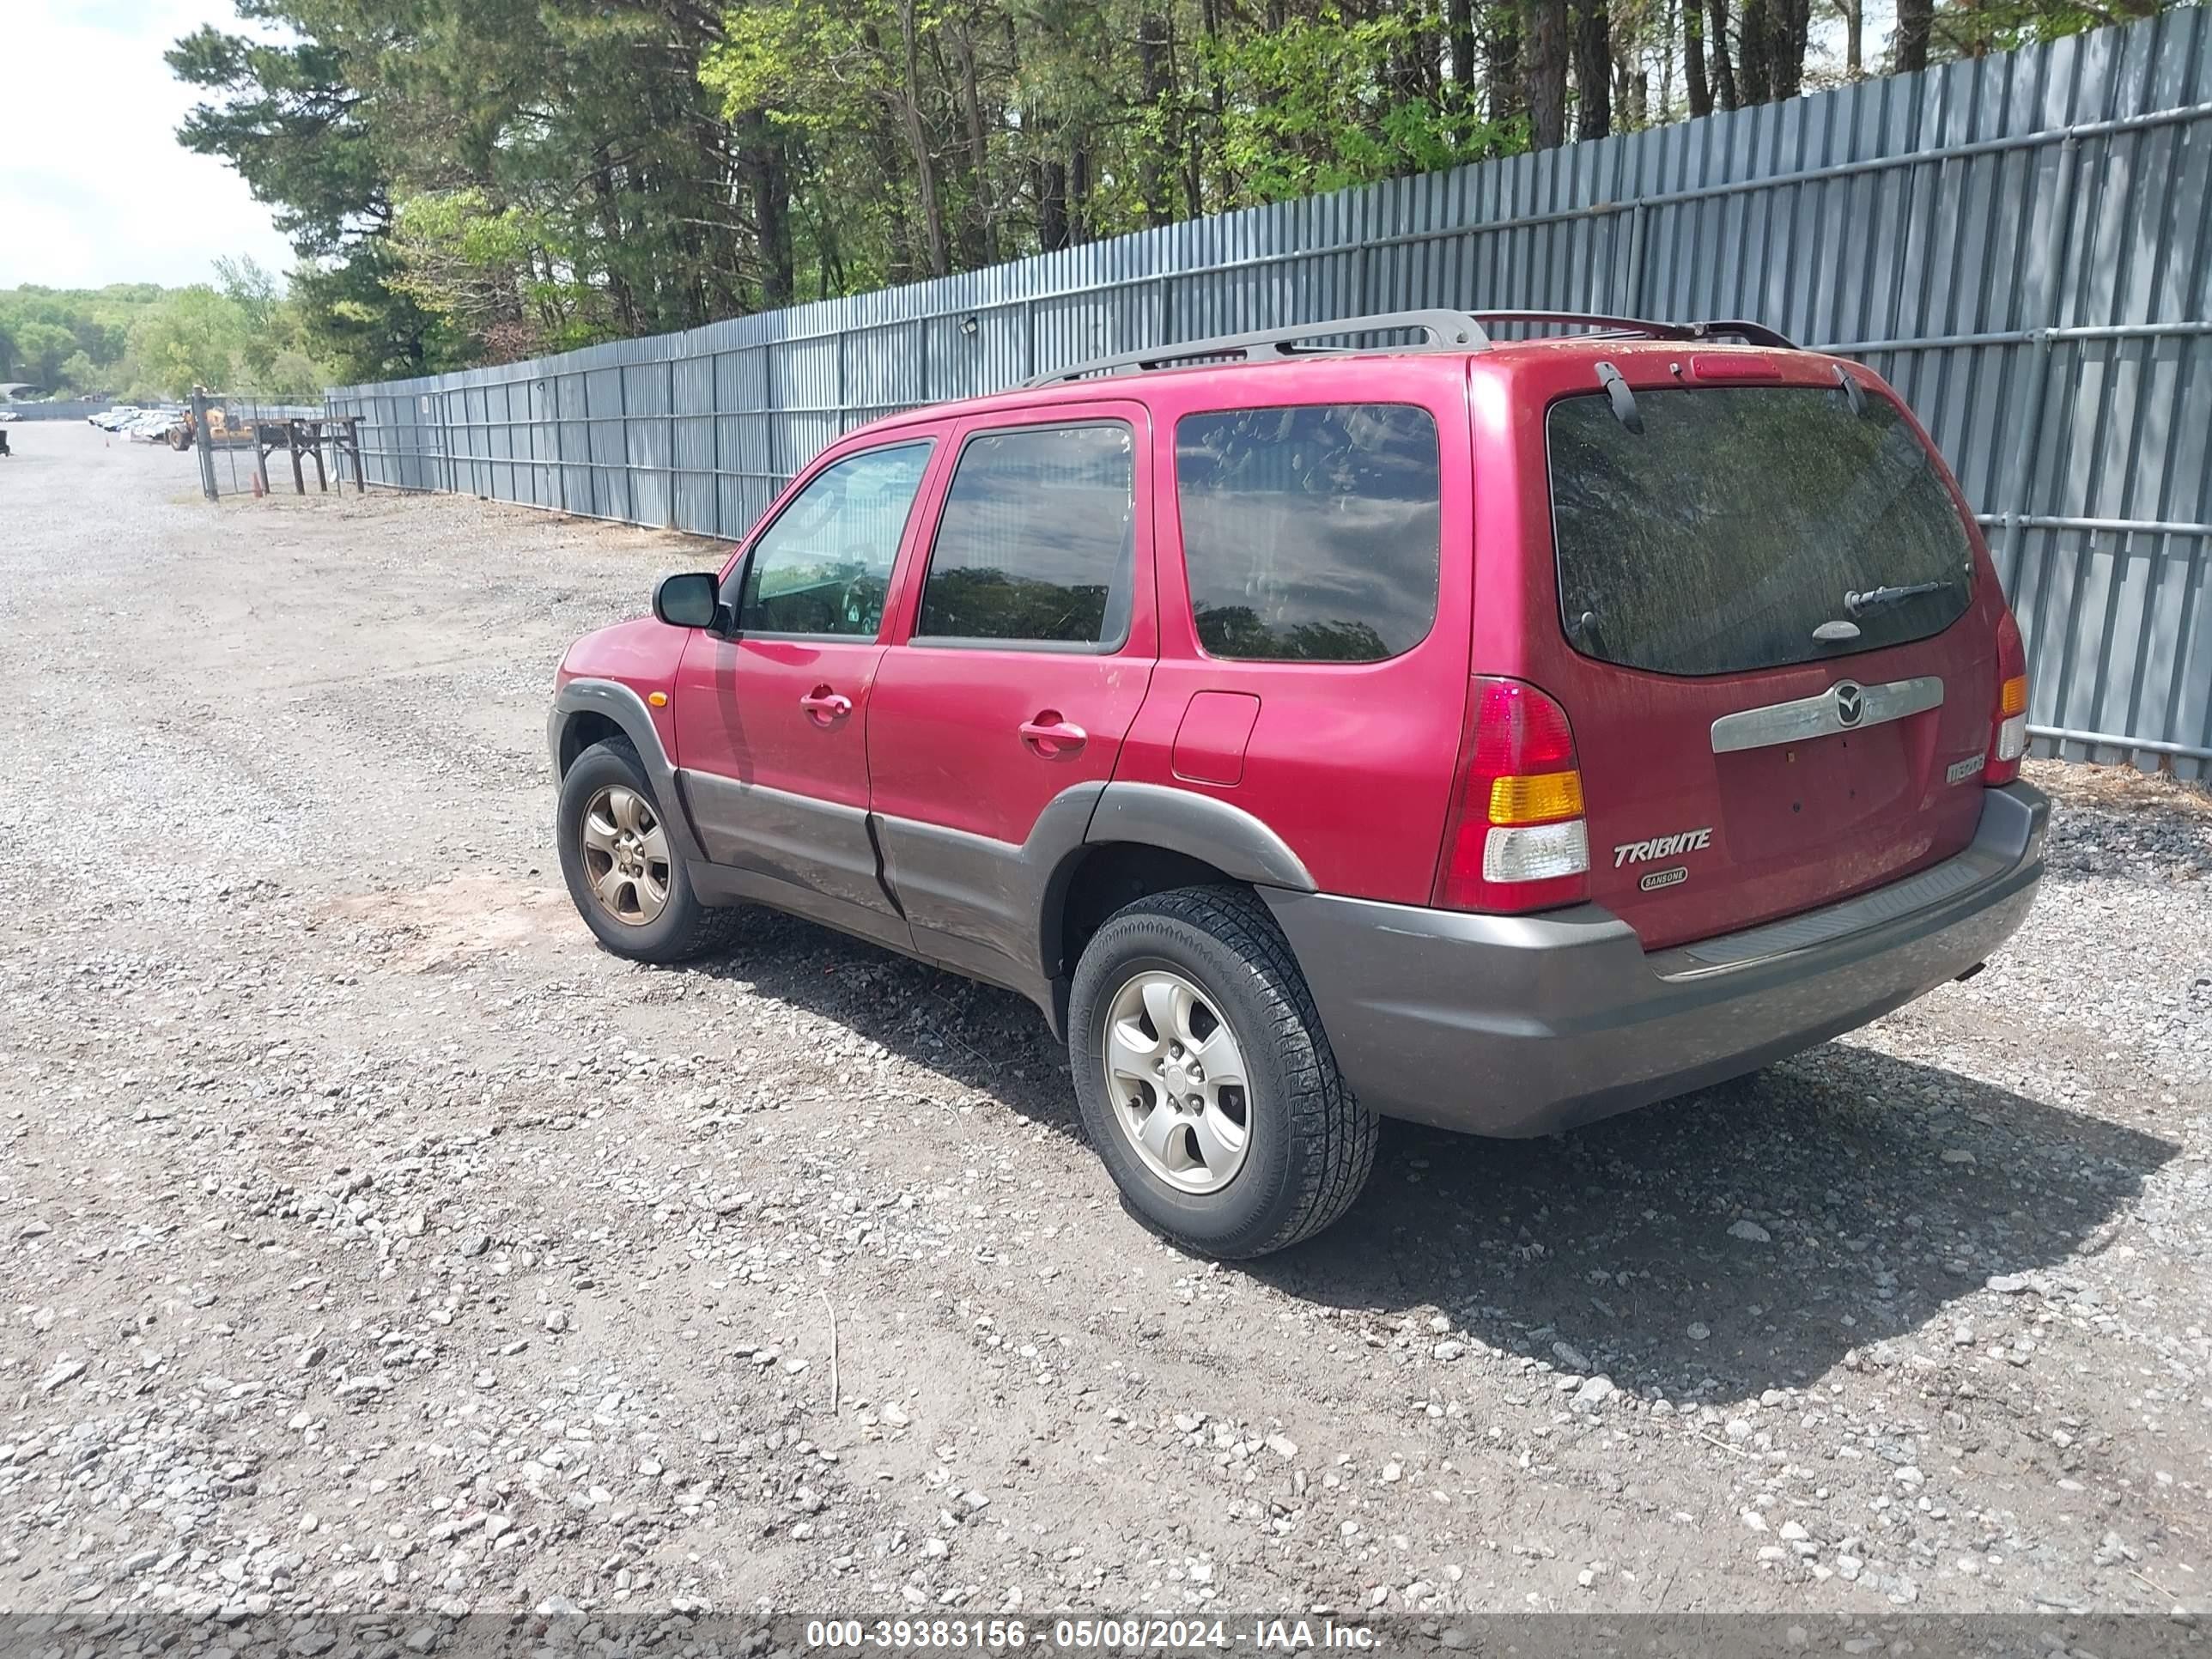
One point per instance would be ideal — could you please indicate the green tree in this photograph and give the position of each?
(493, 274)
(195, 337)
(93, 340)
(294, 377)
(472, 180)
(1335, 100)
(41, 348)
(579, 128)
(78, 373)
(1973, 28)
(293, 119)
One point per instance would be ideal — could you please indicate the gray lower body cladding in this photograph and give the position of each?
(1501, 1025)
(987, 908)
(1517, 1026)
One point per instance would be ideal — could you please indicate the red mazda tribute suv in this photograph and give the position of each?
(1497, 733)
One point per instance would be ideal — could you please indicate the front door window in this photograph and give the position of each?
(824, 566)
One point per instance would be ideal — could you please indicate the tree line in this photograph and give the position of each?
(243, 332)
(473, 180)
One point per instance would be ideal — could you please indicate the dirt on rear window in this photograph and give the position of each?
(1740, 520)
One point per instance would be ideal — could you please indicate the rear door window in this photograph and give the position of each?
(1741, 520)
(1310, 533)
(1037, 543)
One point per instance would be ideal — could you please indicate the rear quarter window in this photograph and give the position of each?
(1310, 533)
(1741, 520)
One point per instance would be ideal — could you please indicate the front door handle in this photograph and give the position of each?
(824, 706)
(1049, 735)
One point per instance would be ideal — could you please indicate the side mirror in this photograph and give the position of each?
(691, 598)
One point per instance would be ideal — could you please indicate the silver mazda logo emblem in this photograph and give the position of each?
(1851, 703)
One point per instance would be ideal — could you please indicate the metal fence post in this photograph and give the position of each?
(560, 449)
(1631, 304)
(203, 443)
(2018, 508)
(769, 413)
(591, 448)
(714, 423)
(622, 412)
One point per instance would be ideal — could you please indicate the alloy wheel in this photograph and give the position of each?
(626, 855)
(1175, 1081)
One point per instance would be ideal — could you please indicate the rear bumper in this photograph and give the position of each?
(1506, 1025)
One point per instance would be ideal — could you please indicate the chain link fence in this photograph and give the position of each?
(249, 446)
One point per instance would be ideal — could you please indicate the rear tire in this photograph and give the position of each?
(626, 878)
(1232, 1172)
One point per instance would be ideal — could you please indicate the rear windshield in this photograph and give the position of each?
(1741, 520)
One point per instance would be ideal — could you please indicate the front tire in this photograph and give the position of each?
(624, 874)
(1205, 1080)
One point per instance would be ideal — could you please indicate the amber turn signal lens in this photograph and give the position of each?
(2012, 698)
(1539, 799)
(658, 699)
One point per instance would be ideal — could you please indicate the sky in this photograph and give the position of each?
(93, 187)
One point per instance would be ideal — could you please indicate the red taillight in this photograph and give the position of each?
(2009, 720)
(1516, 841)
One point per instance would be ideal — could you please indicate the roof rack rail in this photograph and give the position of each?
(1595, 321)
(1749, 332)
(1442, 330)
(1651, 328)
(1450, 331)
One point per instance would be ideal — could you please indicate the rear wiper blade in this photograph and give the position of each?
(1875, 598)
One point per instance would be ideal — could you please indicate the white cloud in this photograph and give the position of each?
(93, 187)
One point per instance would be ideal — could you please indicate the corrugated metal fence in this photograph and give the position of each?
(72, 409)
(2021, 244)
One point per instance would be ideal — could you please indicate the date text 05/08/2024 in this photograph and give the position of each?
(1114, 1635)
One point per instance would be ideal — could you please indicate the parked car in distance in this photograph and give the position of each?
(154, 426)
(111, 420)
(1202, 697)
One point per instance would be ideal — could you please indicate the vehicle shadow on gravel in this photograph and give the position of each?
(1746, 1237)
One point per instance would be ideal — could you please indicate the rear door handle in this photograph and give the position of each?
(1049, 735)
(823, 705)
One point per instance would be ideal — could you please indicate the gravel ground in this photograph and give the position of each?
(370, 1241)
